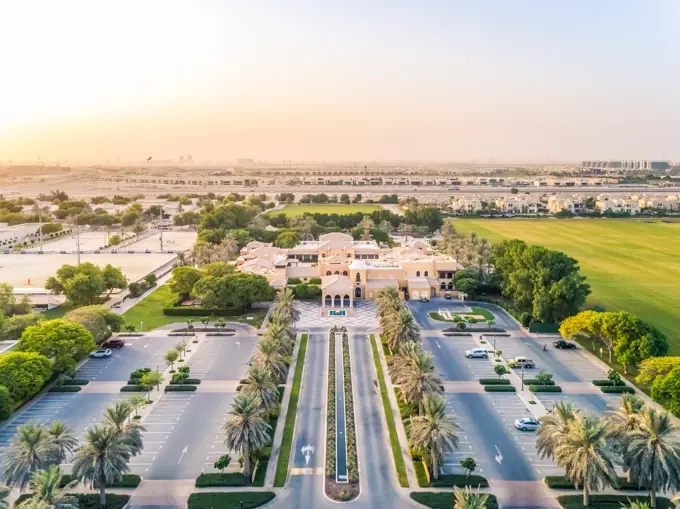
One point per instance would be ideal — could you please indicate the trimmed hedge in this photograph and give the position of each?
(609, 501)
(617, 389)
(533, 381)
(180, 388)
(460, 480)
(499, 388)
(545, 388)
(76, 381)
(132, 388)
(188, 381)
(560, 482)
(89, 500)
(446, 500)
(198, 311)
(217, 479)
(65, 388)
(128, 481)
(494, 381)
(233, 500)
(603, 383)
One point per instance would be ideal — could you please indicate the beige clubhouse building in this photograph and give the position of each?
(351, 269)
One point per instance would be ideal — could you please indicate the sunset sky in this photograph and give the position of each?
(453, 80)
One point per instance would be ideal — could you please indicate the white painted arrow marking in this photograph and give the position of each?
(238, 344)
(499, 456)
(184, 451)
(307, 451)
(438, 345)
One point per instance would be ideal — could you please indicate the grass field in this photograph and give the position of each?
(632, 266)
(332, 208)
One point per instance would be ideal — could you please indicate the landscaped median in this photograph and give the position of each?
(289, 426)
(391, 426)
(610, 501)
(611, 387)
(90, 500)
(545, 388)
(560, 482)
(446, 500)
(229, 500)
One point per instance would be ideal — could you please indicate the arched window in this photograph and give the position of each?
(345, 301)
(450, 286)
(443, 286)
(358, 278)
(425, 274)
(328, 272)
(357, 292)
(337, 272)
(417, 273)
(344, 273)
(336, 301)
(329, 301)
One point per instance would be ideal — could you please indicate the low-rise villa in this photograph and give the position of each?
(351, 269)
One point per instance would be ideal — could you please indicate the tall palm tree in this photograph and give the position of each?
(65, 441)
(388, 304)
(285, 305)
(118, 416)
(259, 384)
(269, 359)
(653, 453)
(402, 327)
(281, 333)
(554, 427)
(246, 429)
(31, 449)
(586, 454)
(419, 380)
(434, 430)
(102, 460)
(625, 420)
(46, 491)
(4, 493)
(467, 499)
(400, 362)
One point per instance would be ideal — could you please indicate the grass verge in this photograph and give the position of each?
(226, 500)
(216, 479)
(610, 501)
(389, 417)
(446, 500)
(289, 426)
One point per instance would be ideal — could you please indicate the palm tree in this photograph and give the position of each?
(402, 327)
(259, 384)
(586, 454)
(283, 335)
(285, 305)
(634, 504)
(400, 363)
(31, 449)
(102, 460)
(4, 493)
(65, 441)
(227, 249)
(269, 359)
(246, 430)
(466, 499)
(624, 420)
(119, 417)
(419, 379)
(653, 453)
(434, 430)
(554, 427)
(46, 491)
(388, 304)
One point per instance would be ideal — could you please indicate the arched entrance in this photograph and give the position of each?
(357, 293)
(345, 301)
(336, 302)
(328, 301)
(443, 286)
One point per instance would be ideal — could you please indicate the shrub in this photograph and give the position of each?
(560, 482)
(24, 373)
(603, 383)
(91, 501)
(151, 279)
(533, 381)
(135, 289)
(186, 381)
(5, 403)
(617, 389)
(494, 381)
(446, 500)
(499, 388)
(294, 281)
(180, 388)
(137, 374)
(65, 388)
(460, 480)
(610, 501)
(217, 479)
(315, 281)
(76, 381)
(226, 500)
(132, 388)
(128, 481)
(545, 388)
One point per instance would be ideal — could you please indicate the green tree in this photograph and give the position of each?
(285, 307)
(92, 321)
(13, 327)
(114, 240)
(183, 280)
(418, 379)
(151, 380)
(586, 454)
(171, 357)
(119, 417)
(48, 493)
(287, 240)
(402, 327)
(31, 449)
(65, 441)
(500, 370)
(222, 463)
(136, 401)
(246, 430)
(614, 377)
(468, 286)
(259, 384)
(268, 359)
(181, 349)
(544, 378)
(389, 302)
(5, 403)
(81, 284)
(218, 269)
(8, 301)
(114, 279)
(63, 341)
(102, 459)
(469, 465)
(651, 368)
(130, 218)
(434, 431)
(24, 373)
(554, 429)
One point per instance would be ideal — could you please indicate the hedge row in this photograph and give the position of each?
(76, 381)
(132, 388)
(545, 388)
(188, 381)
(233, 500)
(65, 388)
(494, 381)
(330, 410)
(603, 383)
(560, 482)
(198, 311)
(460, 480)
(610, 501)
(217, 479)
(499, 388)
(533, 381)
(128, 481)
(350, 424)
(617, 389)
(180, 388)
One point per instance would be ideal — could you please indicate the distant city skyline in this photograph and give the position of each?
(440, 81)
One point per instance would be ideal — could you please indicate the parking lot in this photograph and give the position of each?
(222, 357)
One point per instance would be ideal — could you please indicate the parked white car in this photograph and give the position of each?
(523, 361)
(101, 353)
(477, 353)
(527, 424)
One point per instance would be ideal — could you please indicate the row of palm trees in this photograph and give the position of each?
(35, 453)
(396, 320)
(641, 439)
(247, 429)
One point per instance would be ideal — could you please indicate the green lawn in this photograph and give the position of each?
(289, 426)
(226, 500)
(150, 311)
(332, 208)
(631, 265)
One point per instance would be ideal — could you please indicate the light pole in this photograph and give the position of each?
(141, 326)
(160, 226)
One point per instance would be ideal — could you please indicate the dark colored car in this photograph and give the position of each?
(447, 295)
(114, 343)
(564, 345)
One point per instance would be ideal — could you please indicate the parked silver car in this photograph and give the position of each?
(482, 353)
(527, 424)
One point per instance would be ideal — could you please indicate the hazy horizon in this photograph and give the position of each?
(340, 81)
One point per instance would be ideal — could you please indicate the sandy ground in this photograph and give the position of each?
(17, 269)
(172, 240)
(89, 241)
